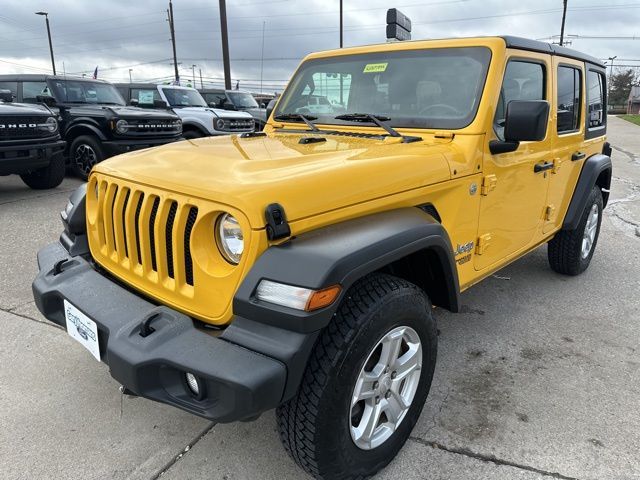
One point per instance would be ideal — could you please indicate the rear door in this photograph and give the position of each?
(513, 194)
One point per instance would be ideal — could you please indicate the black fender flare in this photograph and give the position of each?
(72, 129)
(341, 254)
(596, 170)
(195, 126)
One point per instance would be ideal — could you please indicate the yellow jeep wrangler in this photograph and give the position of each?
(297, 268)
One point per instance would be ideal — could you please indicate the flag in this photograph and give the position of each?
(95, 73)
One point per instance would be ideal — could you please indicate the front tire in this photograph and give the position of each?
(570, 251)
(48, 177)
(365, 384)
(85, 152)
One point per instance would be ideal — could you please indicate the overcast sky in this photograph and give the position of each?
(117, 35)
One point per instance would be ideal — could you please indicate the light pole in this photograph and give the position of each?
(611, 59)
(262, 57)
(193, 74)
(130, 70)
(46, 18)
(341, 24)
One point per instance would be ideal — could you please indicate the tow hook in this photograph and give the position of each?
(145, 327)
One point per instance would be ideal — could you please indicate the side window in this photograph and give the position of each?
(595, 99)
(569, 98)
(522, 81)
(30, 90)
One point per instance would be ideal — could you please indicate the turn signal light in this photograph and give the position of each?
(322, 298)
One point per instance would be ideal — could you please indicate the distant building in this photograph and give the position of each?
(633, 106)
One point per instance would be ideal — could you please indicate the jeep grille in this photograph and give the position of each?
(162, 244)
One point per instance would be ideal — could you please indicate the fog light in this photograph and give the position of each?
(192, 383)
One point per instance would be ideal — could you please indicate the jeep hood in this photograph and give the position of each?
(306, 179)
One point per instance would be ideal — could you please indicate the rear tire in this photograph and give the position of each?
(85, 152)
(47, 177)
(570, 251)
(323, 430)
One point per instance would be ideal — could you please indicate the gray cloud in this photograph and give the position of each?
(118, 35)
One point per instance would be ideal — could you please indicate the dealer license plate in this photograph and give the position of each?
(82, 328)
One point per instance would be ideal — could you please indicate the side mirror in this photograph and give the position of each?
(133, 102)
(228, 106)
(270, 106)
(48, 100)
(6, 96)
(160, 104)
(526, 121)
(213, 105)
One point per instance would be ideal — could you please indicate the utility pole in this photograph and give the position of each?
(564, 17)
(201, 84)
(262, 57)
(610, 77)
(341, 35)
(130, 70)
(225, 45)
(173, 40)
(46, 18)
(193, 74)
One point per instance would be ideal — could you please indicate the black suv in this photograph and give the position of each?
(235, 100)
(30, 143)
(95, 121)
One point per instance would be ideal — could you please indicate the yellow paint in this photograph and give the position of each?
(497, 198)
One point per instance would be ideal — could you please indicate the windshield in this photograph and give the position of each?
(184, 97)
(242, 100)
(434, 88)
(80, 91)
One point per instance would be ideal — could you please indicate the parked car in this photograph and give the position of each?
(30, 143)
(316, 250)
(94, 119)
(235, 100)
(198, 118)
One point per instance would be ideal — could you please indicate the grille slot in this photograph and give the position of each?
(114, 220)
(137, 227)
(152, 234)
(169, 236)
(188, 261)
(124, 223)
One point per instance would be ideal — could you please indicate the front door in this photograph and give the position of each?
(513, 194)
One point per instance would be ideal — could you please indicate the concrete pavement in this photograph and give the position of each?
(538, 378)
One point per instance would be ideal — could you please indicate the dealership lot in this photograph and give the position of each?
(539, 377)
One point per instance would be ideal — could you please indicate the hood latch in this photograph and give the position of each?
(277, 226)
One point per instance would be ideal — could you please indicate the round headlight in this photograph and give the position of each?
(122, 126)
(178, 124)
(219, 124)
(229, 238)
(50, 125)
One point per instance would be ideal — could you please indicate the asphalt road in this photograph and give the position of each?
(538, 378)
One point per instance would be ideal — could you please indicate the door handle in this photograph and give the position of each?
(541, 167)
(577, 156)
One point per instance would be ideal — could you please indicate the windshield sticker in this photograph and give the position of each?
(145, 96)
(375, 67)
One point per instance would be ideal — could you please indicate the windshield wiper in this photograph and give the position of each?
(307, 119)
(380, 121)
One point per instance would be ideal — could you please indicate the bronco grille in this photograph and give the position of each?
(21, 127)
(148, 234)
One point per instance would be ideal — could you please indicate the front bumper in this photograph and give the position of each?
(123, 145)
(238, 383)
(27, 155)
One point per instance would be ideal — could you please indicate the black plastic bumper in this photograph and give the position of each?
(115, 147)
(26, 155)
(238, 383)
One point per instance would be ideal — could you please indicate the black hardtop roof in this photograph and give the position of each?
(37, 77)
(520, 43)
